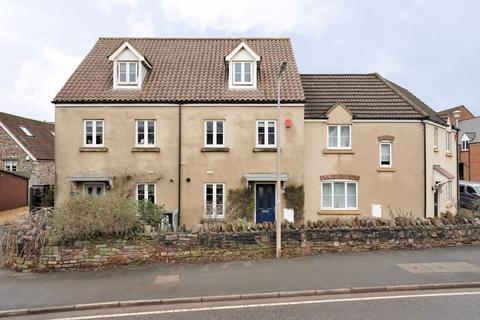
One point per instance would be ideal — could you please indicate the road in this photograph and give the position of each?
(435, 304)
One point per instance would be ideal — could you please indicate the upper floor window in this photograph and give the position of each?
(145, 133)
(146, 192)
(448, 141)
(464, 145)
(26, 131)
(339, 137)
(93, 133)
(10, 165)
(242, 73)
(339, 195)
(385, 154)
(127, 72)
(214, 200)
(214, 133)
(266, 133)
(435, 137)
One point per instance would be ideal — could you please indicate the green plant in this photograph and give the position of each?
(150, 213)
(84, 218)
(240, 204)
(295, 198)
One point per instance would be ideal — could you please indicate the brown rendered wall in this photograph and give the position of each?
(13, 191)
(471, 162)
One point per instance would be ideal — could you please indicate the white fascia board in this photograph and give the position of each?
(315, 120)
(241, 46)
(127, 45)
(435, 124)
(17, 142)
(386, 121)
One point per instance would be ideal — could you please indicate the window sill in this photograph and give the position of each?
(338, 151)
(145, 149)
(264, 150)
(386, 169)
(448, 154)
(213, 219)
(338, 213)
(93, 149)
(435, 149)
(215, 149)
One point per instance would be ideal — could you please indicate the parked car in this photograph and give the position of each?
(469, 194)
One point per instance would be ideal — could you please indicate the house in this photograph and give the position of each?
(464, 114)
(183, 121)
(27, 149)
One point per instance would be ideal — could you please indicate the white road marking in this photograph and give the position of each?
(272, 304)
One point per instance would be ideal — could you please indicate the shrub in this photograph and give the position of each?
(84, 218)
(295, 198)
(240, 204)
(150, 213)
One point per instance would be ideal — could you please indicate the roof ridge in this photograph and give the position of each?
(400, 94)
(337, 74)
(198, 38)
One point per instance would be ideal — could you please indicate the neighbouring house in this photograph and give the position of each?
(468, 142)
(183, 121)
(27, 149)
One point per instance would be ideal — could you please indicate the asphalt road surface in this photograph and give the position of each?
(435, 304)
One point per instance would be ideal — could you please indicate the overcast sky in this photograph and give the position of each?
(432, 47)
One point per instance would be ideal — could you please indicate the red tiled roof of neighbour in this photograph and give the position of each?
(184, 70)
(465, 114)
(42, 142)
(367, 96)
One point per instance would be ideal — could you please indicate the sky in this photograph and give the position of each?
(431, 47)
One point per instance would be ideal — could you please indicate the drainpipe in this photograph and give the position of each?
(179, 161)
(424, 169)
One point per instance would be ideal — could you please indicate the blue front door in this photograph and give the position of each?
(265, 202)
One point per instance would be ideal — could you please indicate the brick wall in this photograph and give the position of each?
(246, 244)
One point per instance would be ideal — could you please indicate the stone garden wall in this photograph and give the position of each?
(227, 243)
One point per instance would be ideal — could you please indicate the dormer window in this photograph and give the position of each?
(242, 68)
(127, 73)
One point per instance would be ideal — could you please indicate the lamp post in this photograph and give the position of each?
(278, 187)
(456, 116)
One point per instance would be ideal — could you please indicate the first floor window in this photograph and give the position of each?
(146, 192)
(127, 72)
(10, 165)
(93, 133)
(339, 137)
(266, 133)
(94, 189)
(242, 73)
(214, 200)
(339, 195)
(214, 133)
(385, 154)
(435, 137)
(448, 141)
(464, 145)
(145, 133)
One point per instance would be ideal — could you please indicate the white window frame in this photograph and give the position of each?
(242, 82)
(332, 208)
(339, 136)
(94, 133)
(464, 145)
(390, 144)
(214, 208)
(214, 144)
(9, 165)
(145, 143)
(435, 137)
(448, 142)
(145, 186)
(266, 144)
(127, 70)
(95, 184)
(26, 131)
(448, 191)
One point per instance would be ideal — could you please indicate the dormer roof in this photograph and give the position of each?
(128, 46)
(241, 46)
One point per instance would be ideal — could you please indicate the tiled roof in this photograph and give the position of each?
(183, 70)
(367, 96)
(42, 142)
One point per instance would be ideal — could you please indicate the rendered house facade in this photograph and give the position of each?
(182, 121)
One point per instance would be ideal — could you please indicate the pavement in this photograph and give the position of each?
(327, 271)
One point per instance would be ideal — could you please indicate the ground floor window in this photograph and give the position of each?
(214, 200)
(339, 195)
(94, 189)
(146, 192)
(448, 191)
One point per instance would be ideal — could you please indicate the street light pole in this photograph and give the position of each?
(278, 187)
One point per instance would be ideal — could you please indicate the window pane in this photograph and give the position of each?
(247, 72)
(132, 72)
(151, 193)
(99, 132)
(345, 136)
(88, 132)
(219, 199)
(140, 132)
(261, 133)
(122, 72)
(151, 132)
(238, 72)
(140, 192)
(385, 153)
(208, 199)
(327, 195)
(332, 137)
(339, 194)
(351, 195)
(271, 133)
(219, 132)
